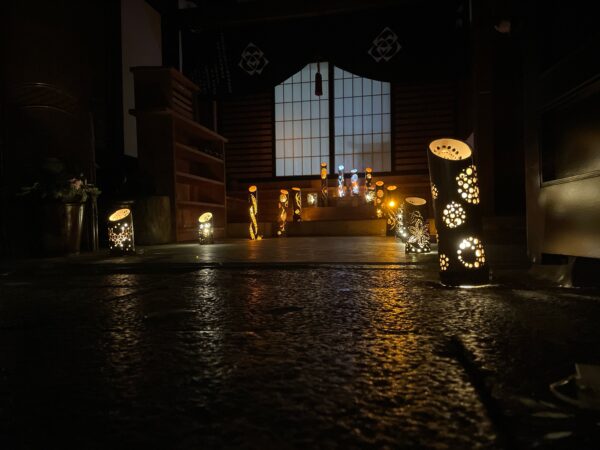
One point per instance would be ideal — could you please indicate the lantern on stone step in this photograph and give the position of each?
(416, 224)
(368, 179)
(284, 199)
(312, 199)
(379, 198)
(253, 213)
(206, 231)
(455, 194)
(324, 195)
(297, 204)
(341, 185)
(390, 209)
(120, 232)
(354, 189)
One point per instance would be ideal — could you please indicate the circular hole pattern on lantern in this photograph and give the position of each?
(467, 185)
(451, 149)
(454, 215)
(434, 191)
(444, 262)
(471, 253)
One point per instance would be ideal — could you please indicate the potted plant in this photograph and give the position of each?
(62, 200)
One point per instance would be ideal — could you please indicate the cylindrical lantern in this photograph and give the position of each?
(282, 218)
(391, 207)
(368, 183)
(416, 224)
(253, 211)
(205, 229)
(324, 194)
(354, 183)
(341, 186)
(120, 232)
(379, 198)
(455, 193)
(311, 199)
(297, 203)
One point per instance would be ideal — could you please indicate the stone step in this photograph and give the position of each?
(364, 227)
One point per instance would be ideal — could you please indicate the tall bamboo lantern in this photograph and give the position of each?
(368, 184)
(379, 198)
(354, 183)
(391, 207)
(341, 186)
(324, 195)
(455, 192)
(284, 201)
(297, 203)
(253, 211)
(416, 225)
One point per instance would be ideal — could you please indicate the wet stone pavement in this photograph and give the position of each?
(317, 356)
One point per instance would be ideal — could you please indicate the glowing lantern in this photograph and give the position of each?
(416, 224)
(455, 194)
(391, 209)
(341, 187)
(120, 232)
(379, 198)
(205, 229)
(282, 218)
(368, 178)
(311, 199)
(324, 192)
(354, 183)
(297, 202)
(253, 212)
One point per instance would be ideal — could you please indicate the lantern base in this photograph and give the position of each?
(462, 278)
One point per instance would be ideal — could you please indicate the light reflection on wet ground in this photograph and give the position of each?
(342, 356)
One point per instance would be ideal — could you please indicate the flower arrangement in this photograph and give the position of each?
(58, 186)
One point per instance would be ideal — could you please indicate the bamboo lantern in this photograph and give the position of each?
(312, 199)
(206, 229)
(379, 198)
(253, 211)
(324, 192)
(455, 193)
(368, 184)
(297, 202)
(341, 186)
(391, 209)
(120, 232)
(284, 201)
(354, 183)
(416, 224)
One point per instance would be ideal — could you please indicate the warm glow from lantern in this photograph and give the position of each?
(392, 203)
(252, 189)
(119, 214)
(417, 201)
(205, 217)
(451, 149)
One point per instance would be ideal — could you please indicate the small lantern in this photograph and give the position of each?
(368, 181)
(417, 226)
(324, 192)
(354, 183)
(205, 229)
(391, 209)
(253, 212)
(297, 202)
(311, 199)
(455, 194)
(120, 232)
(379, 198)
(284, 200)
(370, 194)
(341, 187)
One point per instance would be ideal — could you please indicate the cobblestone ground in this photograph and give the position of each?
(329, 356)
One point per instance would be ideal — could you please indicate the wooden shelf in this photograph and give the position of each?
(197, 154)
(199, 178)
(200, 204)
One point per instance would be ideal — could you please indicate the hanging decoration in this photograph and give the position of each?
(417, 226)
(324, 191)
(253, 211)
(341, 186)
(455, 193)
(318, 81)
(282, 217)
(354, 183)
(297, 204)
(205, 229)
(120, 232)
